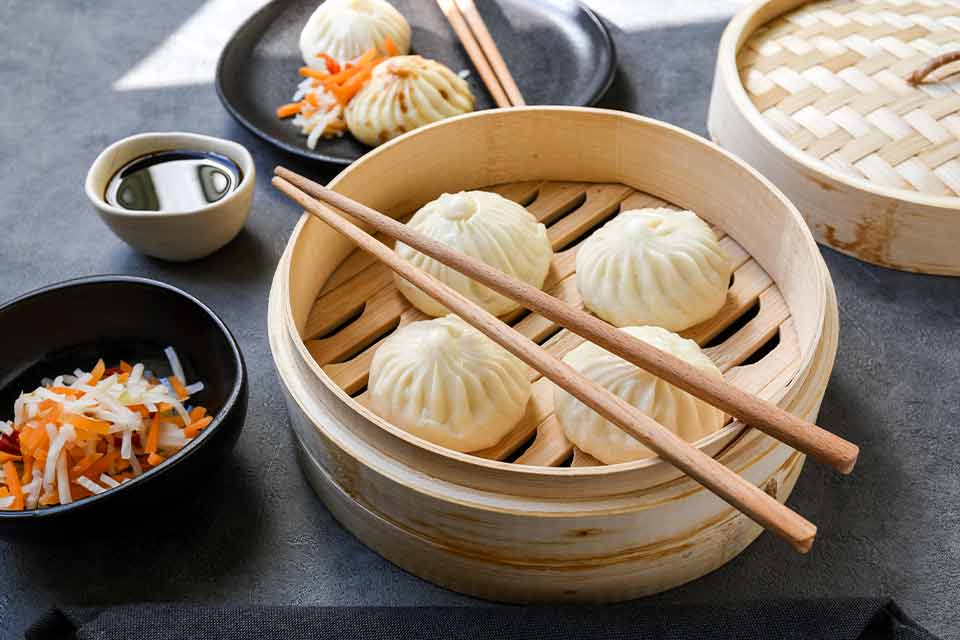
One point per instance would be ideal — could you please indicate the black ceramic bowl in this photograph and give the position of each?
(59, 328)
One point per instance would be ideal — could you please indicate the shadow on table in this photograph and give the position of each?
(154, 554)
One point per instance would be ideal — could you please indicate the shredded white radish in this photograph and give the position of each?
(324, 115)
(90, 485)
(6, 502)
(175, 365)
(135, 466)
(6, 428)
(63, 480)
(126, 445)
(33, 488)
(107, 480)
(57, 441)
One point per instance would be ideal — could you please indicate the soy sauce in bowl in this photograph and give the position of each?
(178, 180)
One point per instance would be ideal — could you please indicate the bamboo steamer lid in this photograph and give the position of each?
(816, 95)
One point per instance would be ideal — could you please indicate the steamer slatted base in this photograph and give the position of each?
(533, 520)
(751, 339)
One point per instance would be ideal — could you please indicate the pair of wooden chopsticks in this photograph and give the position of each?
(763, 509)
(483, 51)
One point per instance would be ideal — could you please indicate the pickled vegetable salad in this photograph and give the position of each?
(82, 434)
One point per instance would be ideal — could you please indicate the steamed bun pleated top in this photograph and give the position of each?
(653, 267)
(446, 382)
(406, 92)
(345, 29)
(485, 226)
(684, 414)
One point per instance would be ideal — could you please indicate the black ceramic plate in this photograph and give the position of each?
(558, 52)
(68, 325)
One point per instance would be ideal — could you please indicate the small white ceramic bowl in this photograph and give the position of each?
(173, 235)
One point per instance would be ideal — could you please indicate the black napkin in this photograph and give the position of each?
(870, 619)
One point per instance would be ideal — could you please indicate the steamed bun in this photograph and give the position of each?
(653, 267)
(345, 29)
(485, 226)
(684, 414)
(446, 382)
(406, 92)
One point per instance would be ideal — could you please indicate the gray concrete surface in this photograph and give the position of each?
(257, 533)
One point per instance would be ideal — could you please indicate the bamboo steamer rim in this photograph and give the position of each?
(740, 29)
(789, 390)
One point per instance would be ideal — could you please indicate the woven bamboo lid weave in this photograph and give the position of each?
(831, 78)
(872, 161)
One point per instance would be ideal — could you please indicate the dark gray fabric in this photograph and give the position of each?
(869, 619)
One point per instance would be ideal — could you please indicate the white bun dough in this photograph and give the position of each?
(446, 382)
(684, 414)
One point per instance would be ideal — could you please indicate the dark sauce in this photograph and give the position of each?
(178, 180)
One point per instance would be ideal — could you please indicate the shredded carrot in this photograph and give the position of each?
(84, 465)
(178, 387)
(87, 424)
(139, 408)
(49, 499)
(197, 412)
(307, 72)
(66, 391)
(97, 372)
(352, 86)
(32, 439)
(367, 56)
(390, 46)
(9, 457)
(195, 428)
(13, 484)
(50, 410)
(27, 474)
(289, 110)
(125, 367)
(332, 65)
(153, 459)
(102, 465)
(154, 436)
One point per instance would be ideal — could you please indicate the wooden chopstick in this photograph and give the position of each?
(469, 11)
(473, 50)
(766, 416)
(723, 482)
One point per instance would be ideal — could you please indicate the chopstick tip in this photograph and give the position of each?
(849, 460)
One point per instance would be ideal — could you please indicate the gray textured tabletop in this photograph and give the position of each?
(257, 533)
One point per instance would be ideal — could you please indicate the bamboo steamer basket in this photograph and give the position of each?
(815, 96)
(532, 520)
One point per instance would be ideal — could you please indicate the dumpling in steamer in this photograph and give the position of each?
(406, 92)
(684, 414)
(653, 267)
(446, 382)
(485, 226)
(345, 29)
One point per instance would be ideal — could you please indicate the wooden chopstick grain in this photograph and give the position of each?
(472, 47)
(489, 46)
(723, 482)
